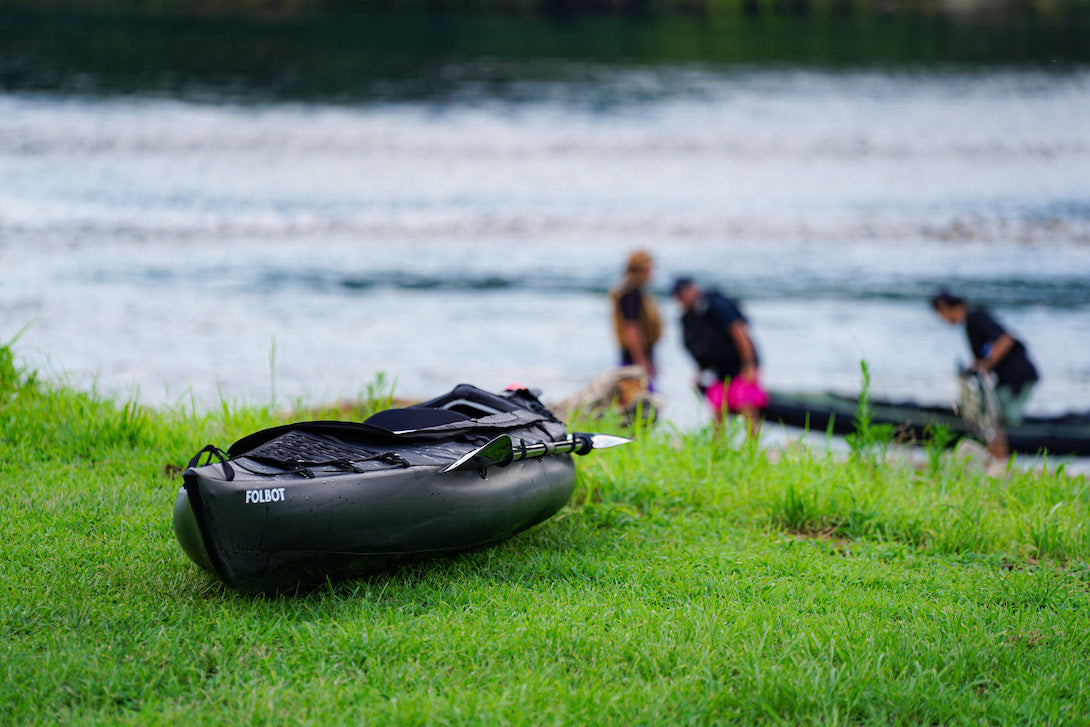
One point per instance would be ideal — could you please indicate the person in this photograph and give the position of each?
(636, 319)
(716, 335)
(995, 352)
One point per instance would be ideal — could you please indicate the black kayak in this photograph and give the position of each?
(292, 506)
(1068, 434)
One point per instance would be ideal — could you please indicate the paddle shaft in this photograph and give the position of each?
(502, 450)
(576, 444)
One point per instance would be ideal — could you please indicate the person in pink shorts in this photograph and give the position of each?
(716, 334)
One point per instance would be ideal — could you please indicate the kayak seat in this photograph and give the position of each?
(402, 420)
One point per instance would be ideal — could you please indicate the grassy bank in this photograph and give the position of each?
(688, 582)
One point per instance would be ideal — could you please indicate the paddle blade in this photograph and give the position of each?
(584, 443)
(605, 441)
(497, 452)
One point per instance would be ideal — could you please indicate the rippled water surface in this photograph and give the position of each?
(179, 250)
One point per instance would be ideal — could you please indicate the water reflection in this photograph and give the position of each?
(449, 58)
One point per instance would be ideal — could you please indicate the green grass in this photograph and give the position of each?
(691, 581)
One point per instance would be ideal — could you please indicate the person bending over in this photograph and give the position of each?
(716, 334)
(995, 352)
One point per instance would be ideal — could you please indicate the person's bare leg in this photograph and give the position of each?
(719, 415)
(998, 446)
(753, 420)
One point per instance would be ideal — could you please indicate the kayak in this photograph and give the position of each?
(1068, 434)
(295, 505)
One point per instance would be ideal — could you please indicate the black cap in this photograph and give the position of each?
(680, 284)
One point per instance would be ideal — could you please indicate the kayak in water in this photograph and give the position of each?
(1064, 435)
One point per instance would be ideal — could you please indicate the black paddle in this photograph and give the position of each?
(502, 450)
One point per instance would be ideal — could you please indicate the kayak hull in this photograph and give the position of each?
(344, 526)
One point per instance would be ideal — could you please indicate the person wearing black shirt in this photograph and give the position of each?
(995, 352)
(636, 319)
(716, 334)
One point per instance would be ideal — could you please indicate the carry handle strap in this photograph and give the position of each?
(213, 451)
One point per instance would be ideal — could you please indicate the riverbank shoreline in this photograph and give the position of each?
(405, 54)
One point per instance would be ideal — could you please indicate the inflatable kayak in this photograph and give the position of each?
(291, 506)
(1068, 434)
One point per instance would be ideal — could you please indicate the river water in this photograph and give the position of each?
(183, 250)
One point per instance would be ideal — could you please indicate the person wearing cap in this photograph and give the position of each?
(636, 319)
(716, 335)
(995, 352)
